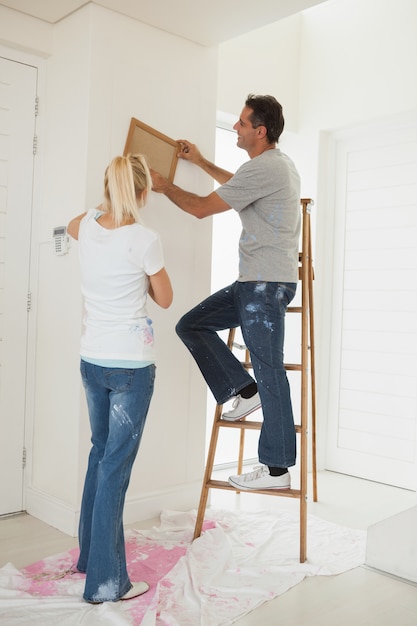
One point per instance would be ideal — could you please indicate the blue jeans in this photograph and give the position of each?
(259, 309)
(118, 401)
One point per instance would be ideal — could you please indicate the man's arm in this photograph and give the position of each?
(199, 206)
(190, 152)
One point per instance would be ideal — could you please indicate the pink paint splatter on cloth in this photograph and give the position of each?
(147, 559)
(41, 578)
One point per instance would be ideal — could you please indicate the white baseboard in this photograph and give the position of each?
(180, 498)
(65, 518)
(52, 511)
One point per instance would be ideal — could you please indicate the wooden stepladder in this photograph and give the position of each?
(307, 371)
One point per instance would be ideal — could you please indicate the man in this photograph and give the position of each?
(265, 191)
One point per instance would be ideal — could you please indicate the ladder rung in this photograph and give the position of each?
(248, 424)
(222, 484)
(294, 309)
(288, 366)
(293, 366)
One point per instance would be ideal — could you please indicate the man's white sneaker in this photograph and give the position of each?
(242, 407)
(260, 478)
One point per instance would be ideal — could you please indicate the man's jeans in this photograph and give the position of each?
(118, 401)
(259, 309)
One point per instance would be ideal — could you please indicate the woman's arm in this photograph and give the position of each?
(74, 226)
(160, 288)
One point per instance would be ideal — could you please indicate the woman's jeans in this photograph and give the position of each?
(259, 309)
(118, 401)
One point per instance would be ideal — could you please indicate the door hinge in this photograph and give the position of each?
(35, 144)
(36, 106)
(29, 302)
(24, 454)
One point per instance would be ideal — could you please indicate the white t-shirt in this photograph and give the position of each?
(265, 191)
(115, 265)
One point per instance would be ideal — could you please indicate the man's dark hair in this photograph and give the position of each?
(266, 111)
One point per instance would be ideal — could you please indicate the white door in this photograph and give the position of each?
(372, 429)
(17, 128)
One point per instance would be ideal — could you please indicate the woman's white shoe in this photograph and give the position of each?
(137, 590)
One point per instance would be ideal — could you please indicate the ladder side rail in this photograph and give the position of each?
(312, 370)
(210, 456)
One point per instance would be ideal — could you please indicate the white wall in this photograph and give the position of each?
(342, 63)
(266, 60)
(102, 69)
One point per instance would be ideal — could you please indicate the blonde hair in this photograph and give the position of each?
(127, 182)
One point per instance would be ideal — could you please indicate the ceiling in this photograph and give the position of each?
(207, 22)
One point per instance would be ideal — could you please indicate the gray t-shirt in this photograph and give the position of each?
(265, 192)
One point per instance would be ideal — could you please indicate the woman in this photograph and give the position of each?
(121, 263)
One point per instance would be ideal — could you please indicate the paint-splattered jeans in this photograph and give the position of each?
(118, 401)
(259, 309)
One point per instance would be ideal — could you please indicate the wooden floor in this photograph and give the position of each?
(359, 597)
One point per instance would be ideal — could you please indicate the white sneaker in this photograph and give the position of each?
(260, 478)
(137, 590)
(242, 407)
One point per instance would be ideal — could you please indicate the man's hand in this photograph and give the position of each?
(189, 152)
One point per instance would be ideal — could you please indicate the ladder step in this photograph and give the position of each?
(288, 366)
(222, 484)
(248, 425)
(293, 366)
(294, 309)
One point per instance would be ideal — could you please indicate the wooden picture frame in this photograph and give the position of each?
(159, 150)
